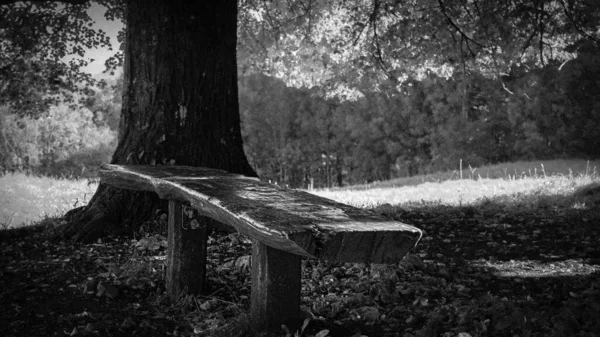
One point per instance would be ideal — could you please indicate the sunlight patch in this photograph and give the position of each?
(536, 268)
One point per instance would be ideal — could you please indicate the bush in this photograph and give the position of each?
(60, 142)
(81, 164)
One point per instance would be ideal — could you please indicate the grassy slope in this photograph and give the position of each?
(534, 182)
(26, 199)
(465, 192)
(508, 171)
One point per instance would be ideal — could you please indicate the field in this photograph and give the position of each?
(468, 192)
(505, 171)
(513, 256)
(26, 199)
(533, 182)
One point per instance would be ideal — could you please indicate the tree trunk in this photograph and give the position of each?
(180, 104)
(339, 163)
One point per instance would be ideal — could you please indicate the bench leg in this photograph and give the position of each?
(186, 253)
(276, 282)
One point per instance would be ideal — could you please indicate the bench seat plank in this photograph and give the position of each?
(289, 220)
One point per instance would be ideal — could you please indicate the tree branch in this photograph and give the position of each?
(378, 55)
(577, 27)
(458, 29)
(542, 28)
(527, 43)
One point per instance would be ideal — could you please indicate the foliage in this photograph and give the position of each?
(55, 119)
(106, 103)
(359, 45)
(56, 136)
(396, 89)
(297, 137)
(414, 87)
(42, 53)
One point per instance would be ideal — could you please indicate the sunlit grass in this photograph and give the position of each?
(460, 192)
(27, 199)
(534, 169)
(554, 179)
(507, 171)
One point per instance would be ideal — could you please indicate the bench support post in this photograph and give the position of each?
(186, 254)
(276, 282)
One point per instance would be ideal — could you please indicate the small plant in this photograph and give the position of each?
(6, 224)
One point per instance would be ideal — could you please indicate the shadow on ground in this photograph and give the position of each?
(529, 267)
(498, 268)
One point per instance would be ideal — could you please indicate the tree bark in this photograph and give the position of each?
(180, 105)
(276, 286)
(186, 257)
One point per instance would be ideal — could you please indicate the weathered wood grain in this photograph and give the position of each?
(289, 220)
(276, 285)
(186, 255)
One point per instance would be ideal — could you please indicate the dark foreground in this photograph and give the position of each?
(479, 271)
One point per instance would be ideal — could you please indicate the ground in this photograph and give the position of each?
(484, 270)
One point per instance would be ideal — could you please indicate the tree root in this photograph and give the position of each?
(111, 211)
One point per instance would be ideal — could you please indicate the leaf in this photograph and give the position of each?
(366, 313)
(127, 323)
(111, 291)
(412, 261)
(322, 333)
(142, 244)
(243, 263)
(90, 328)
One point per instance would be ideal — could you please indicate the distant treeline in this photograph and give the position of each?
(67, 140)
(296, 137)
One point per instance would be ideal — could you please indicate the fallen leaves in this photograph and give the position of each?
(477, 272)
(151, 243)
(367, 314)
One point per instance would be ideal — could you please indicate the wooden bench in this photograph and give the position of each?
(284, 226)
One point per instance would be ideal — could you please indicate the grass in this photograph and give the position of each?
(506, 171)
(465, 192)
(25, 200)
(531, 182)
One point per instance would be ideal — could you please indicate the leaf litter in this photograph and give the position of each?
(478, 271)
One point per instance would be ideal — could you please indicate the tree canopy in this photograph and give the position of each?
(343, 47)
(358, 44)
(42, 52)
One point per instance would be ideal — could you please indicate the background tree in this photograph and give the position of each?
(426, 83)
(35, 38)
(42, 58)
